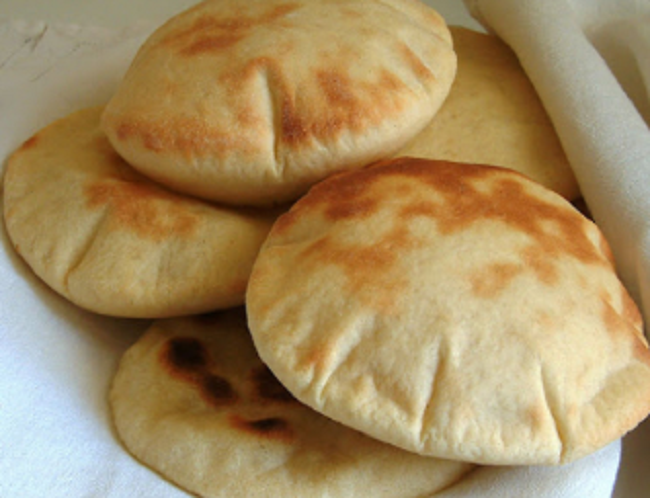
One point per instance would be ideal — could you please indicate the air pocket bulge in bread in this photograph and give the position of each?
(454, 310)
(252, 102)
(112, 241)
(493, 115)
(192, 399)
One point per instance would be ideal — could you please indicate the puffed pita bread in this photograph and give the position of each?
(192, 400)
(252, 102)
(112, 241)
(454, 310)
(493, 115)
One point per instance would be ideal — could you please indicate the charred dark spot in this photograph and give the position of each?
(188, 359)
(274, 428)
(186, 354)
(217, 390)
(266, 425)
(268, 387)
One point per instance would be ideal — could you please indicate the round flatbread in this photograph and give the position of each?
(192, 400)
(112, 241)
(454, 310)
(252, 102)
(493, 115)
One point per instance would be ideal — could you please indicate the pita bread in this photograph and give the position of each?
(454, 310)
(192, 400)
(112, 241)
(493, 115)
(252, 102)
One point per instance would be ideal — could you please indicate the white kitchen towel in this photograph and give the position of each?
(56, 361)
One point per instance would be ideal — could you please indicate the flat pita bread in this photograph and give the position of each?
(493, 115)
(454, 310)
(112, 241)
(252, 102)
(192, 400)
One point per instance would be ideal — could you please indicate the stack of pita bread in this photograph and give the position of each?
(352, 227)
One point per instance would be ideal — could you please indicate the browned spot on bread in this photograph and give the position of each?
(554, 230)
(142, 208)
(462, 196)
(536, 260)
(152, 137)
(340, 105)
(187, 359)
(318, 106)
(211, 44)
(267, 386)
(30, 143)
(490, 280)
(186, 354)
(216, 390)
(339, 199)
(367, 267)
(337, 88)
(333, 103)
(274, 428)
(187, 136)
(537, 415)
(415, 63)
(216, 34)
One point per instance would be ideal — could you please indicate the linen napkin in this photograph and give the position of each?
(56, 361)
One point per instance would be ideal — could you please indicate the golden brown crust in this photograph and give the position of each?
(111, 240)
(455, 310)
(192, 399)
(253, 104)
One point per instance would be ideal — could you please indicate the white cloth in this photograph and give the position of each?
(56, 361)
